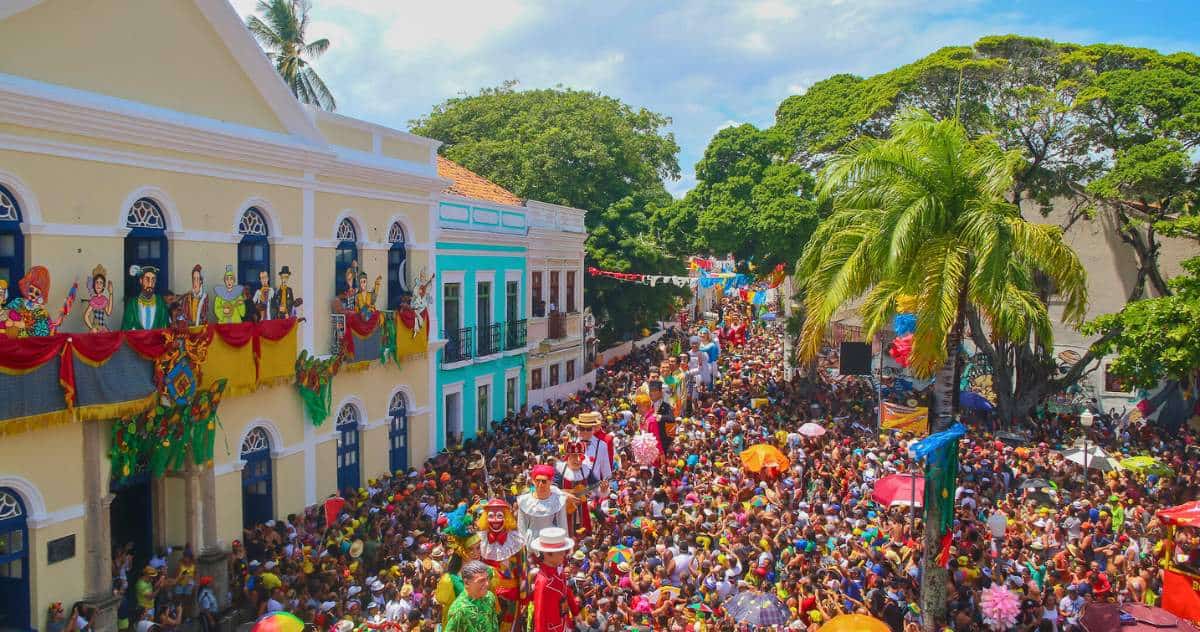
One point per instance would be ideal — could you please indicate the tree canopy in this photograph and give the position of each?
(584, 150)
(747, 202)
(281, 31)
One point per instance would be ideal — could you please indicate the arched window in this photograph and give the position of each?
(347, 448)
(12, 242)
(14, 562)
(398, 433)
(257, 498)
(347, 253)
(397, 266)
(146, 244)
(254, 253)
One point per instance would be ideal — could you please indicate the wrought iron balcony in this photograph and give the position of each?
(458, 345)
(490, 337)
(337, 325)
(515, 336)
(557, 325)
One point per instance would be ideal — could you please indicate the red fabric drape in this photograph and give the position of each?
(274, 330)
(97, 347)
(234, 334)
(363, 326)
(148, 343)
(26, 354)
(408, 317)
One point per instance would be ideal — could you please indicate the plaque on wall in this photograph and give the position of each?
(60, 549)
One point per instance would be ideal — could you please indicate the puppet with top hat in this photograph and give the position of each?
(554, 606)
(502, 547)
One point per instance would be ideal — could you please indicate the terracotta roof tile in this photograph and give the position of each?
(467, 183)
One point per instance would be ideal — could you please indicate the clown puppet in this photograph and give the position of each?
(27, 315)
(544, 506)
(572, 479)
(554, 605)
(502, 547)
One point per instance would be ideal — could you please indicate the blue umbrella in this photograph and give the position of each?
(769, 316)
(757, 608)
(973, 400)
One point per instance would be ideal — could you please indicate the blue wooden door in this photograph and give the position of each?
(347, 449)
(398, 435)
(14, 562)
(257, 489)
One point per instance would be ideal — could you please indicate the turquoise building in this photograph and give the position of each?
(481, 296)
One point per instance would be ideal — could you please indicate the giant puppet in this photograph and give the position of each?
(145, 310)
(554, 605)
(544, 506)
(502, 547)
(572, 479)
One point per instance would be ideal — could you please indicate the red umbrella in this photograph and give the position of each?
(899, 489)
(1106, 617)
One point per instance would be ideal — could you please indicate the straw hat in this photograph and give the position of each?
(356, 549)
(552, 540)
(589, 419)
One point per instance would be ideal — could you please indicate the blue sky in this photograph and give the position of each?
(704, 64)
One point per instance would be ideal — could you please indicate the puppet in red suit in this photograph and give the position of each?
(502, 547)
(554, 606)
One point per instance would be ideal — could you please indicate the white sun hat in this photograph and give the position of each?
(552, 540)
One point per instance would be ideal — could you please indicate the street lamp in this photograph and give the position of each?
(1086, 419)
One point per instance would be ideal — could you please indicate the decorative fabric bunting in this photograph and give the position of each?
(314, 383)
(167, 436)
(939, 453)
(904, 418)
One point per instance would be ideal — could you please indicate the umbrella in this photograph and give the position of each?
(700, 607)
(762, 455)
(642, 523)
(664, 592)
(1013, 438)
(757, 608)
(1145, 465)
(620, 553)
(973, 400)
(899, 489)
(855, 623)
(1096, 457)
(278, 622)
(1035, 483)
(811, 429)
(1106, 617)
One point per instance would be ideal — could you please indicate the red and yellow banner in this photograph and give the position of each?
(905, 418)
(1181, 594)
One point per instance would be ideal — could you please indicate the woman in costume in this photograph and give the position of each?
(464, 547)
(502, 548)
(99, 306)
(712, 350)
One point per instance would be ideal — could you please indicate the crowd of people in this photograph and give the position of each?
(666, 545)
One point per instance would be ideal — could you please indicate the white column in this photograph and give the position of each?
(308, 280)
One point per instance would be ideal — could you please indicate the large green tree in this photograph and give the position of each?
(281, 31)
(1106, 133)
(748, 201)
(584, 150)
(924, 214)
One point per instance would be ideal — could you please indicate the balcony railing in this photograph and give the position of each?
(337, 325)
(490, 337)
(515, 336)
(557, 325)
(458, 345)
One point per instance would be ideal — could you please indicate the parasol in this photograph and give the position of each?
(278, 622)
(1096, 457)
(757, 608)
(854, 623)
(763, 455)
(1035, 483)
(899, 489)
(973, 400)
(811, 429)
(1185, 515)
(664, 592)
(1146, 465)
(1107, 617)
(620, 553)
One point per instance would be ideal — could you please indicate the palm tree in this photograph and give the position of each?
(923, 214)
(280, 32)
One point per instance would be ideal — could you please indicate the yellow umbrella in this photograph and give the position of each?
(761, 455)
(1146, 465)
(855, 623)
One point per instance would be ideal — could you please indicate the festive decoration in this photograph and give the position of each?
(939, 453)
(284, 303)
(99, 306)
(903, 324)
(645, 448)
(502, 547)
(145, 310)
(999, 606)
(914, 419)
(314, 382)
(26, 316)
(900, 349)
(229, 306)
(762, 456)
(278, 622)
(164, 438)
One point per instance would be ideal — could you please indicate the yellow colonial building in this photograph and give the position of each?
(156, 133)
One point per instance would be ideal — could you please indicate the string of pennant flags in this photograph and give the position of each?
(731, 283)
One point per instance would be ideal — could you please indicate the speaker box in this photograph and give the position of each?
(855, 358)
